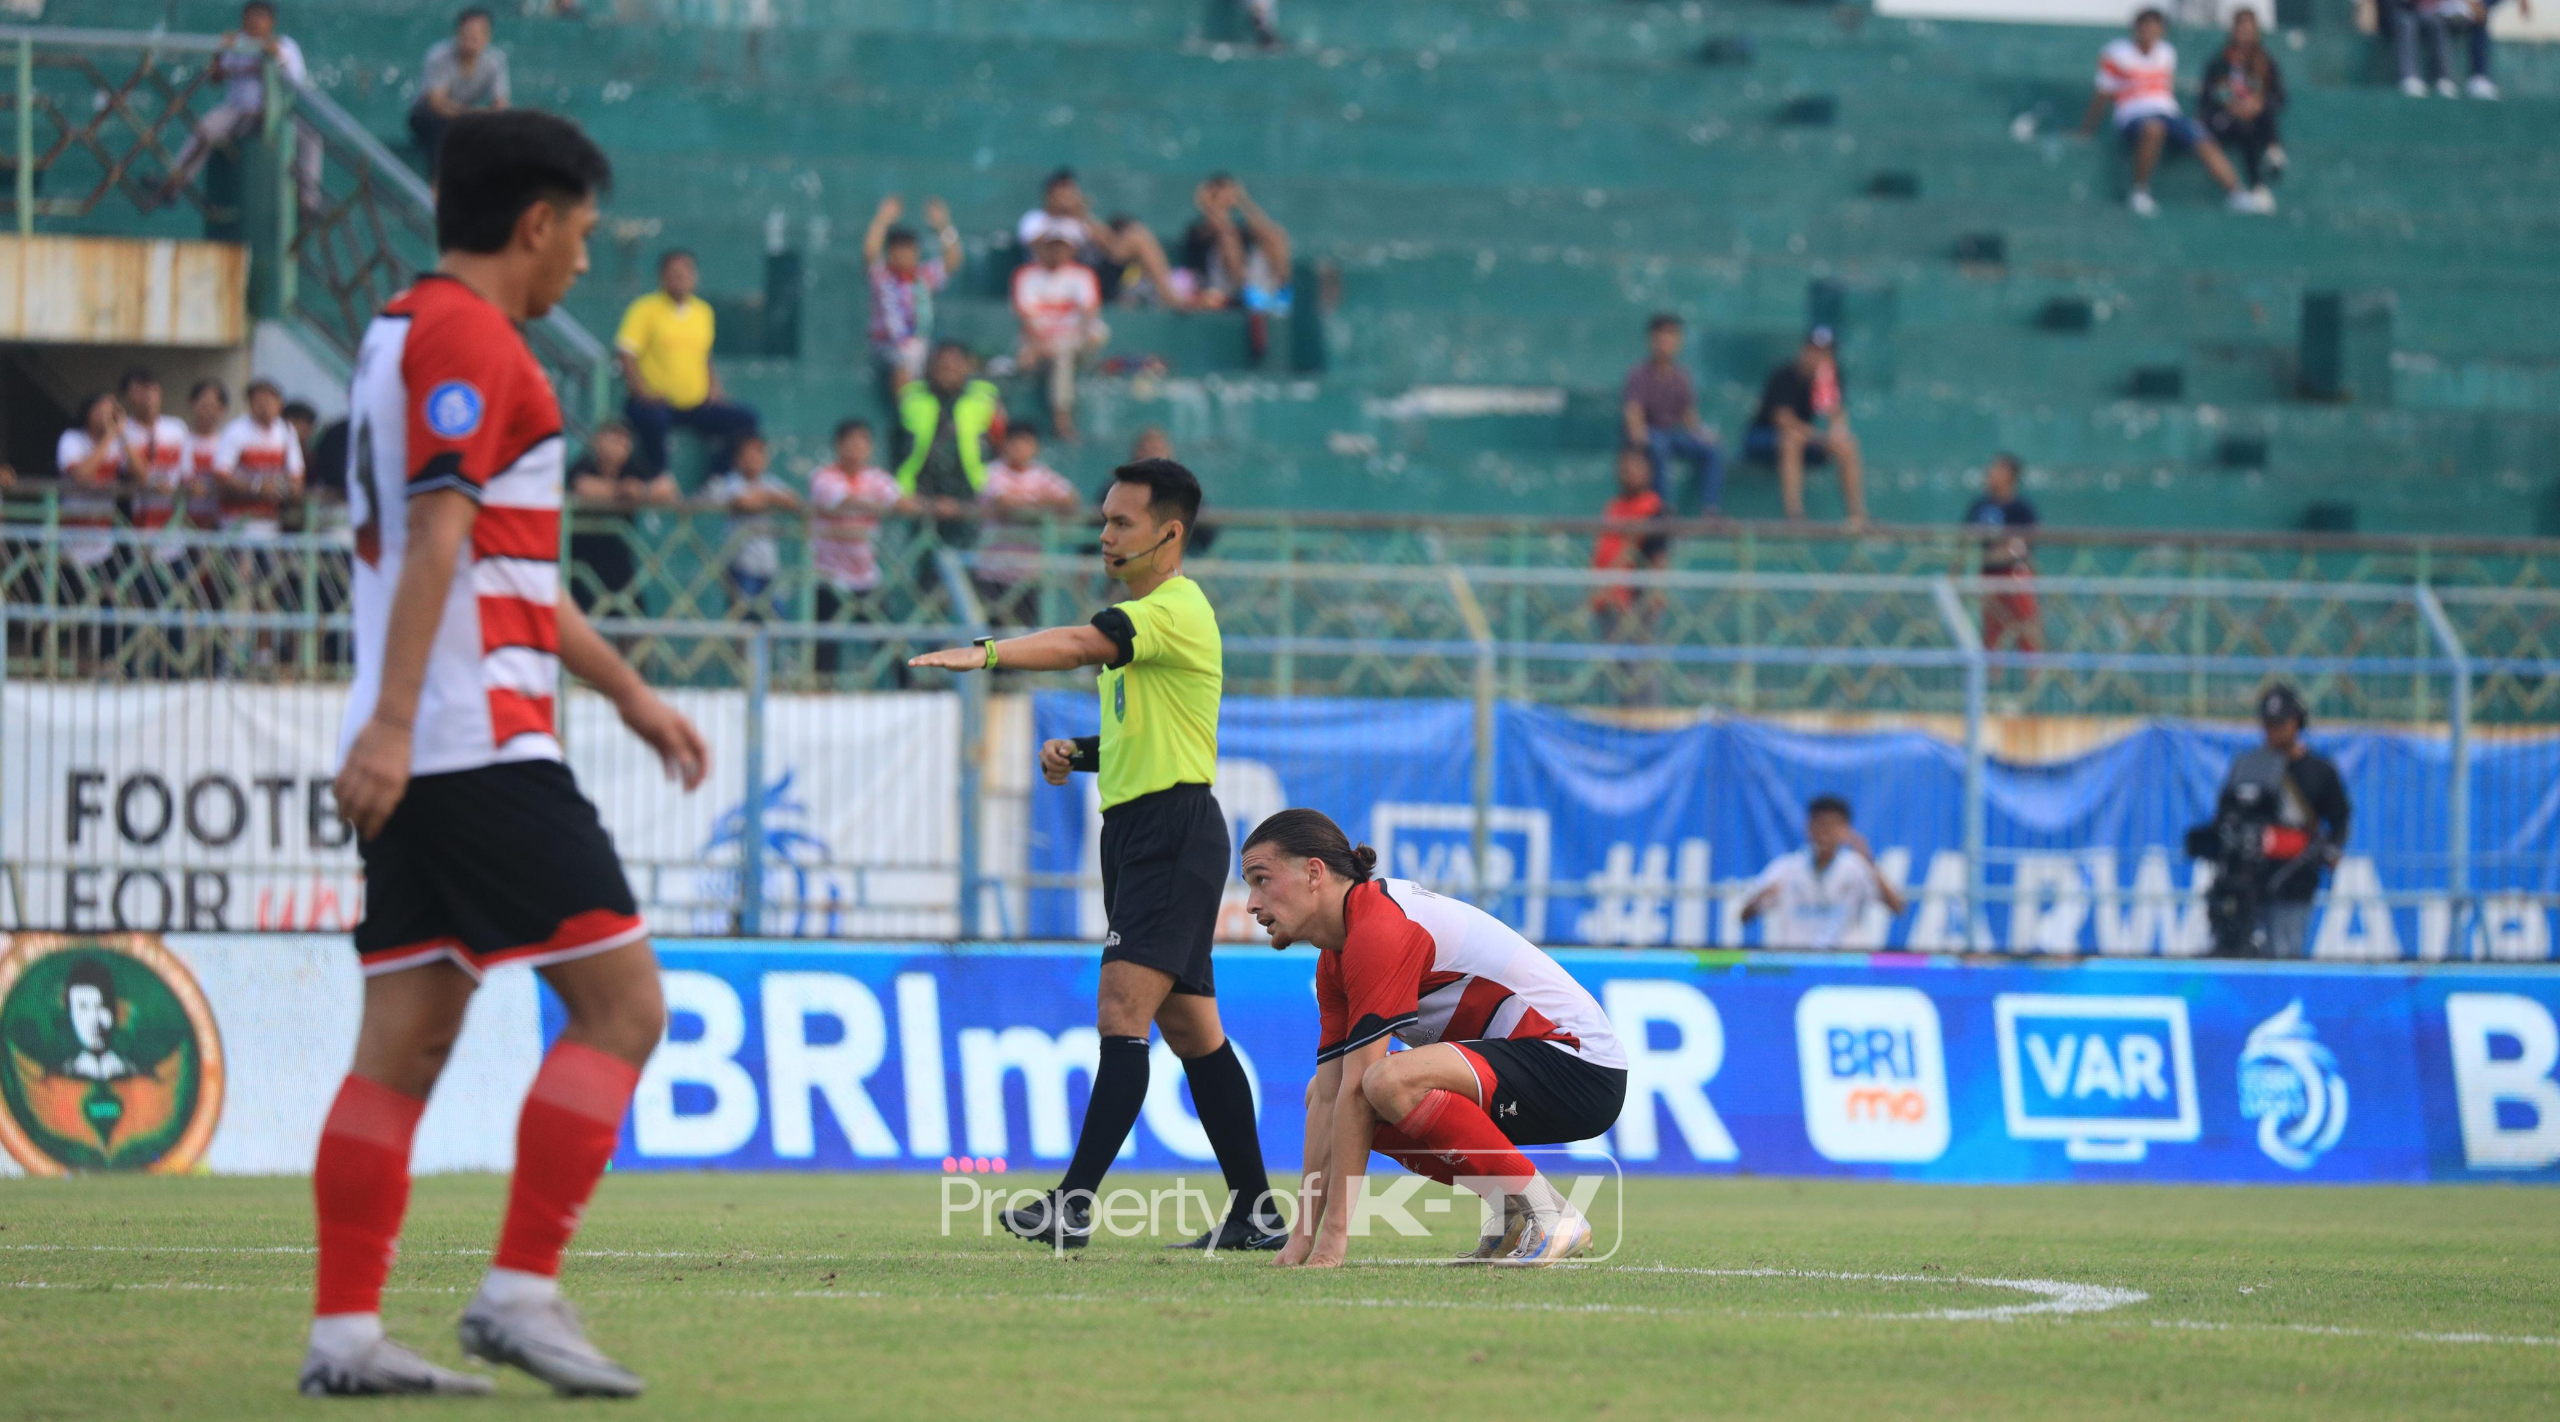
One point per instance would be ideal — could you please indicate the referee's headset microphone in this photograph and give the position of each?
(1125, 559)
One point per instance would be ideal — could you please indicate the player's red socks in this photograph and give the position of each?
(571, 1120)
(1455, 1138)
(360, 1190)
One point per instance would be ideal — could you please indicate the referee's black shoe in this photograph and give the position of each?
(1250, 1233)
(1058, 1222)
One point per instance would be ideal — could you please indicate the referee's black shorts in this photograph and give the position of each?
(1164, 870)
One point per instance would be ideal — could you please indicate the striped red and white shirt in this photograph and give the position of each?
(2143, 85)
(1425, 969)
(448, 396)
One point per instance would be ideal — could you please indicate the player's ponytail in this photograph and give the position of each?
(1310, 834)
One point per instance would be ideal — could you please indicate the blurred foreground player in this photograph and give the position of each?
(1508, 1050)
(478, 848)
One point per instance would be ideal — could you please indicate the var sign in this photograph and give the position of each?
(2106, 1076)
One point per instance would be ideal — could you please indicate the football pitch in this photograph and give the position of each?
(839, 1296)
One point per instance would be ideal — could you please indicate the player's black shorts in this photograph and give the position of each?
(504, 864)
(1542, 1094)
(1164, 869)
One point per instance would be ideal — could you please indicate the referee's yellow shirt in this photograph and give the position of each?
(1160, 708)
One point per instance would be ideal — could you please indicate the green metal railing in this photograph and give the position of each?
(101, 118)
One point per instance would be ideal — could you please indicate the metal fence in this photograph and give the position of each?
(171, 724)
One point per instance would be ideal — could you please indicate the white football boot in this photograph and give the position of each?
(545, 1337)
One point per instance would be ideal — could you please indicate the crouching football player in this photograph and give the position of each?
(1508, 1050)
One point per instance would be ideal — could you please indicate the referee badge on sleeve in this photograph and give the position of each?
(1120, 698)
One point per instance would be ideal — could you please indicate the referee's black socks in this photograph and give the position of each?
(1224, 1097)
(1119, 1091)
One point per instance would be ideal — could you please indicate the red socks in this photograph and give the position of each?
(571, 1119)
(1446, 1136)
(360, 1188)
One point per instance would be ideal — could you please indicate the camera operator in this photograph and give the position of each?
(2281, 821)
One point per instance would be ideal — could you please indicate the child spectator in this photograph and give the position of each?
(208, 410)
(846, 499)
(2011, 621)
(903, 283)
(752, 496)
(264, 463)
(1019, 490)
(1059, 305)
(2243, 94)
(1622, 612)
(94, 463)
(2138, 78)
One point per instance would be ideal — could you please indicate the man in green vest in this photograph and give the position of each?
(948, 423)
(1164, 851)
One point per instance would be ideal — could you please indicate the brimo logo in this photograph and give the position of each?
(1390, 1205)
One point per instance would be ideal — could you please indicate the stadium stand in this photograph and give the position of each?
(1473, 272)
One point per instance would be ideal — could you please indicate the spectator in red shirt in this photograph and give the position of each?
(1059, 305)
(1621, 610)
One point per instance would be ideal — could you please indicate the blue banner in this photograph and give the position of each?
(1603, 834)
(787, 1055)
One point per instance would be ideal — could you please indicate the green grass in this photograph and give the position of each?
(838, 1296)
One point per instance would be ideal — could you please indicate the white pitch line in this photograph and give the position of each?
(2332, 1330)
(2056, 1297)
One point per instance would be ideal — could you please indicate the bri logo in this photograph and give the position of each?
(1874, 1073)
(2290, 1086)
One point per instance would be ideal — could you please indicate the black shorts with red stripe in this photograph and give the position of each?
(1540, 1094)
(503, 864)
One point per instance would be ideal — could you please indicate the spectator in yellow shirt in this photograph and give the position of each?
(664, 350)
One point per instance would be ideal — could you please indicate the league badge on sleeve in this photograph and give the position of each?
(453, 409)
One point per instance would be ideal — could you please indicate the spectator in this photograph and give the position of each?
(320, 481)
(1059, 305)
(1112, 249)
(752, 496)
(609, 485)
(2433, 18)
(208, 411)
(947, 423)
(1019, 490)
(1660, 409)
(2139, 77)
(264, 463)
(1152, 443)
(2010, 620)
(1625, 614)
(903, 283)
(1818, 897)
(1233, 254)
(94, 463)
(240, 68)
(2294, 805)
(1264, 16)
(2243, 94)
(463, 73)
(846, 500)
(1803, 418)
(156, 449)
(664, 349)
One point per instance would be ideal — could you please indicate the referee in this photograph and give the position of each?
(1164, 851)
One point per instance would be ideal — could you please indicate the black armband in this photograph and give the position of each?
(1111, 622)
(1088, 756)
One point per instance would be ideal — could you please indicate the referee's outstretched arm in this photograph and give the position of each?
(1056, 649)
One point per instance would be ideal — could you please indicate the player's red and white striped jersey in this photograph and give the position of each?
(1430, 969)
(448, 396)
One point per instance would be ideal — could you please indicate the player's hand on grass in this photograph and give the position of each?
(1295, 1252)
(679, 745)
(1057, 761)
(957, 659)
(376, 775)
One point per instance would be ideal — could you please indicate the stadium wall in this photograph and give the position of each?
(891, 1056)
